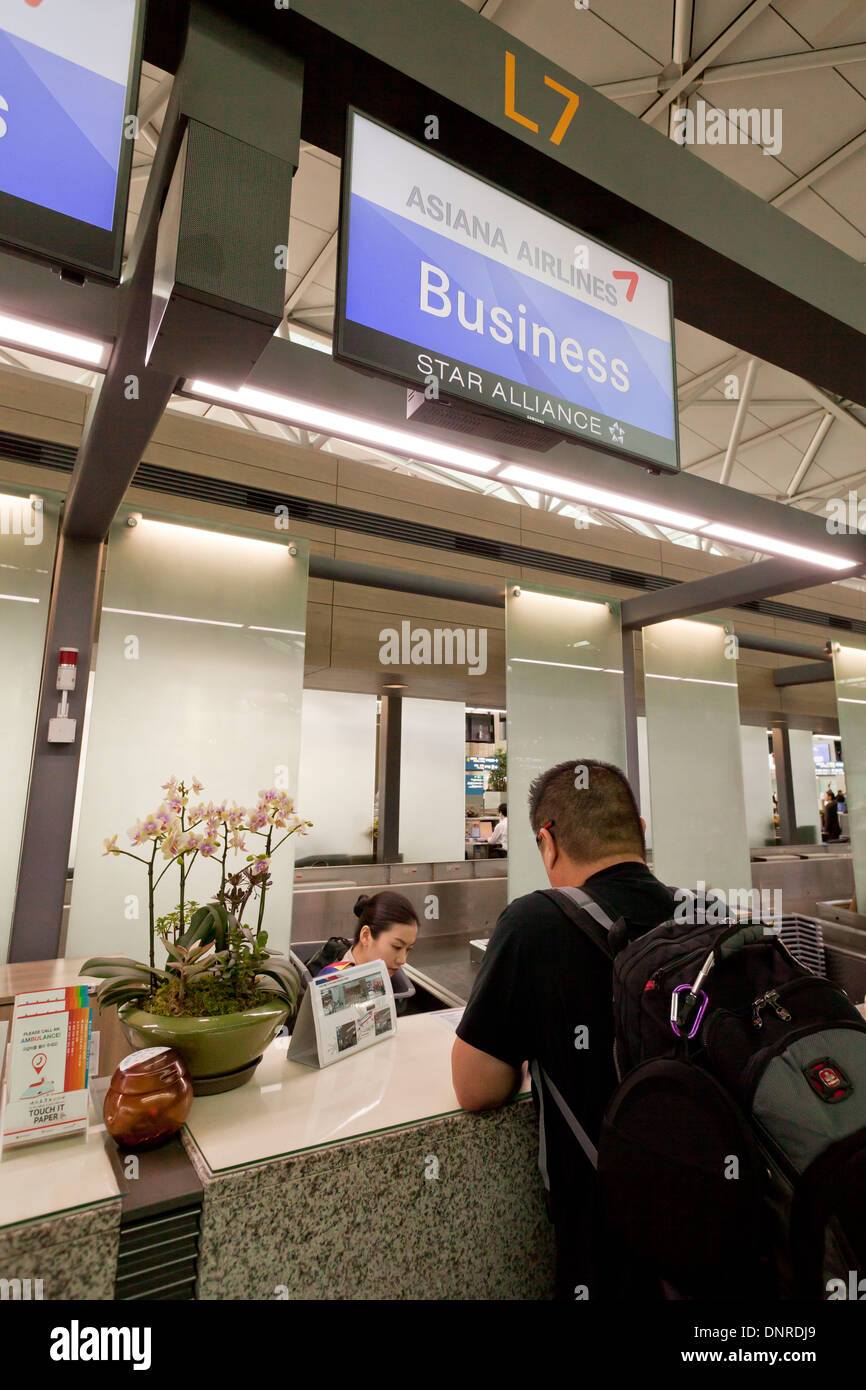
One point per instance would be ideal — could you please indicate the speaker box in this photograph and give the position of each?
(219, 280)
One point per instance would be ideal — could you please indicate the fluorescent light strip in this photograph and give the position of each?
(569, 665)
(690, 680)
(21, 333)
(170, 617)
(195, 534)
(753, 541)
(18, 598)
(600, 497)
(333, 422)
(286, 631)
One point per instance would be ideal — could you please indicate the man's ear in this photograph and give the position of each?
(643, 824)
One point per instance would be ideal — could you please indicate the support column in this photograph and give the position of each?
(784, 784)
(390, 745)
(36, 923)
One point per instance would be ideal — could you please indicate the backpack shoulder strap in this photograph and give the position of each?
(577, 1129)
(578, 905)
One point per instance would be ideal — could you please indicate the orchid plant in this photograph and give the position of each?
(214, 959)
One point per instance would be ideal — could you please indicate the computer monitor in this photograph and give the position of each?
(486, 829)
(475, 832)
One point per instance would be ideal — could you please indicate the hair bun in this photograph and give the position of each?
(361, 904)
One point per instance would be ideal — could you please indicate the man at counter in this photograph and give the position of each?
(497, 842)
(543, 991)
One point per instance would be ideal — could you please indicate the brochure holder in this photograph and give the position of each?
(46, 1093)
(343, 1013)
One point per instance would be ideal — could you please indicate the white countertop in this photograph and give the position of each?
(57, 1175)
(287, 1108)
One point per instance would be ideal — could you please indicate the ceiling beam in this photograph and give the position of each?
(803, 675)
(810, 455)
(836, 410)
(737, 72)
(152, 104)
(831, 162)
(696, 387)
(849, 480)
(739, 420)
(788, 62)
(327, 252)
(719, 44)
(763, 438)
(724, 590)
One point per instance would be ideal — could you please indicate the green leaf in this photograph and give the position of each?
(111, 965)
(287, 980)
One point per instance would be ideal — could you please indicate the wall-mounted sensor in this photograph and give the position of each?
(61, 729)
(67, 668)
(133, 519)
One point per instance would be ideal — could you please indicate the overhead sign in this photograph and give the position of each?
(478, 763)
(452, 285)
(68, 82)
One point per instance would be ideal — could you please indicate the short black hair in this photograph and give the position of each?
(593, 807)
(503, 810)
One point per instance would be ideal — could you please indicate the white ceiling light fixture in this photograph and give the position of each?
(769, 545)
(65, 346)
(601, 497)
(337, 425)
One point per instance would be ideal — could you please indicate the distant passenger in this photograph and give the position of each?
(498, 841)
(543, 993)
(830, 817)
(841, 803)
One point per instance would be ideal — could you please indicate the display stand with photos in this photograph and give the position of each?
(342, 1012)
(45, 1092)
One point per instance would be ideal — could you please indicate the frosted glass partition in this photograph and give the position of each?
(564, 691)
(695, 757)
(28, 535)
(805, 785)
(850, 668)
(643, 773)
(199, 673)
(433, 781)
(337, 779)
(757, 784)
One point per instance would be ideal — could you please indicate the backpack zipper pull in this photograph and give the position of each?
(757, 1005)
(779, 1009)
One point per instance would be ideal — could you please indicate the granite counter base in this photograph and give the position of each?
(451, 1208)
(73, 1254)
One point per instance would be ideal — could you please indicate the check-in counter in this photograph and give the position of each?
(59, 1218)
(360, 1180)
(364, 1180)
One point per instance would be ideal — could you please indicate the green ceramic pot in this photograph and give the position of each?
(220, 1053)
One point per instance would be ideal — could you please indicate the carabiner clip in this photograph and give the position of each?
(697, 999)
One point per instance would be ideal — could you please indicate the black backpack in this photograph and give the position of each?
(732, 1158)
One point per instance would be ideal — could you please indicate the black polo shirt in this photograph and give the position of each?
(541, 983)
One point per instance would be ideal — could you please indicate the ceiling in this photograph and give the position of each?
(745, 423)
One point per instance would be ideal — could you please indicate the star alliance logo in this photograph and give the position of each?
(616, 432)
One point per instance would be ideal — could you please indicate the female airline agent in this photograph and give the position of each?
(387, 929)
